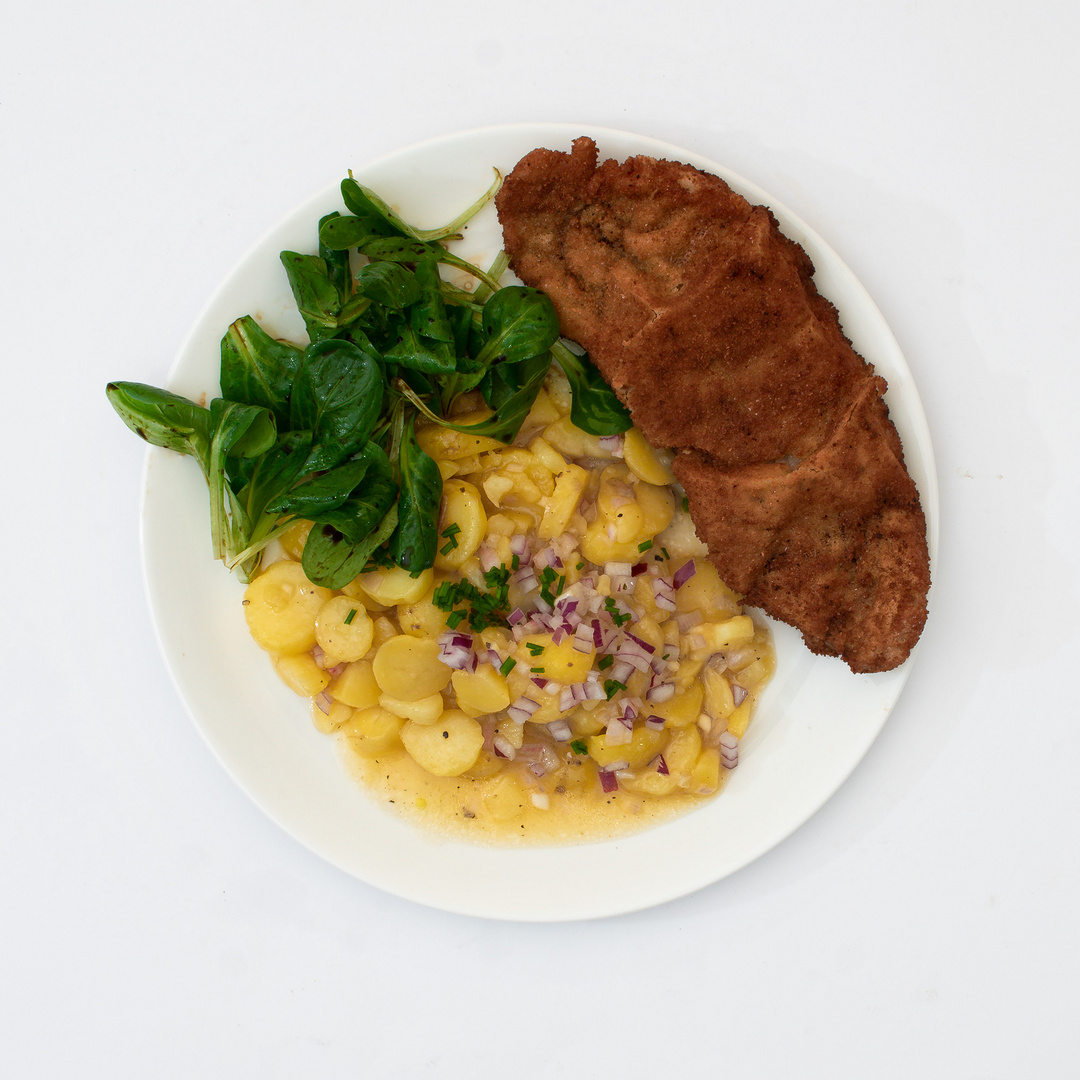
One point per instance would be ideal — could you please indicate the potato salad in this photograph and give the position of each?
(570, 667)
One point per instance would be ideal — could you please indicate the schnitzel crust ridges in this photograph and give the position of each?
(705, 319)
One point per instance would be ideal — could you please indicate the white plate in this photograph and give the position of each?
(814, 723)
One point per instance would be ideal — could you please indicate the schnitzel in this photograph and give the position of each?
(706, 321)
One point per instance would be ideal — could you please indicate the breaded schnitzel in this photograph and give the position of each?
(705, 319)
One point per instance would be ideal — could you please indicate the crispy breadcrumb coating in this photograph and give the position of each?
(705, 319)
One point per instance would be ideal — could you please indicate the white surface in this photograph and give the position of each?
(922, 924)
(814, 723)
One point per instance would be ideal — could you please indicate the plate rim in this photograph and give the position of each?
(561, 908)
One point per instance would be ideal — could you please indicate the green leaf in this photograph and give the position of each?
(389, 284)
(243, 430)
(331, 561)
(256, 369)
(414, 352)
(316, 295)
(399, 249)
(274, 472)
(415, 540)
(164, 419)
(338, 396)
(518, 323)
(337, 262)
(325, 492)
(593, 407)
(364, 203)
(343, 232)
(428, 314)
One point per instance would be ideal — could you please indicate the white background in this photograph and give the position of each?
(923, 924)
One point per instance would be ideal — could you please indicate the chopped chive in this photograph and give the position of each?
(451, 530)
(349, 618)
(579, 746)
(537, 670)
(580, 566)
(533, 648)
(515, 562)
(453, 620)
(612, 687)
(645, 545)
(605, 662)
(685, 505)
(664, 552)
(508, 665)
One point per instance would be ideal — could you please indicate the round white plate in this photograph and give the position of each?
(814, 724)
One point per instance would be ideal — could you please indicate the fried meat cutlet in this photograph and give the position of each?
(705, 319)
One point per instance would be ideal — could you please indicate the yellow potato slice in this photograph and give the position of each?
(447, 748)
(280, 607)
(409, 668)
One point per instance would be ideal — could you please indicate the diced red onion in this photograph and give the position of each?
(594, 691)
(455, 640)
(458, 658)
(487, 557)
(503, 747)
(611, 444)
(519, 545)
(684, 574)
(663, 594)
(571, 696)
(560, 731)
(661, 766)
(638, 568)
(318, 656)
(647, 646)
(515, 616)
(608, 780)
(559, 634)
(729, 741)
(324, 701)
(543, 606)
(621, 670)
(687, 620)
(335, 671)
(631, 654)
(583, 638)
(617, 733)
(525, 579)
(660, 693)
(739, 693)
(655, 723)
(522, 709)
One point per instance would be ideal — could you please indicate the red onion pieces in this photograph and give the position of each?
(560, 731)
(503, 747)
(608, 780)
(522, 709)
(684, 574)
